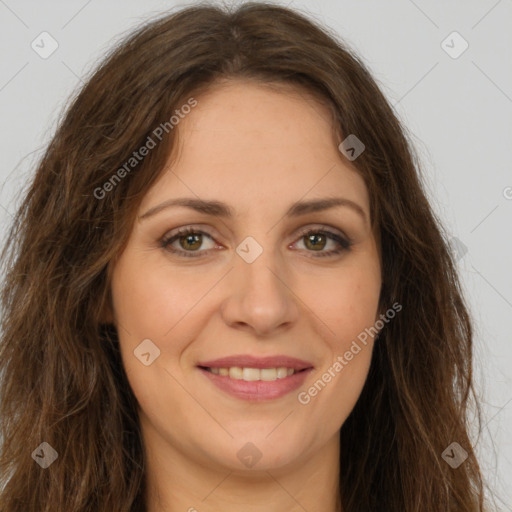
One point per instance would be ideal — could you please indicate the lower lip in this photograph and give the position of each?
(257, 390)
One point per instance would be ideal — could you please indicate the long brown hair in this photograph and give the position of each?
(62, 378)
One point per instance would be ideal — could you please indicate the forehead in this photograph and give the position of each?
(250, 145)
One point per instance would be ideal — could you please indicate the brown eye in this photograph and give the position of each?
(315, 241)
(190, 241)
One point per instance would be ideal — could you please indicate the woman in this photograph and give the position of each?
(225, 289)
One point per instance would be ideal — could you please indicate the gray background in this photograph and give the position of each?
(457, 110)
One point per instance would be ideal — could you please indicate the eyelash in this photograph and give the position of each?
(344, 244)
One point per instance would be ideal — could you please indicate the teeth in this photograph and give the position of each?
(236, 373)
(253, 374)
(268, 374)
(250, 374)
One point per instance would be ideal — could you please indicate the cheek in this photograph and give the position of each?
(349, 304)
(152, 301)
(147, 305)
(148, 301)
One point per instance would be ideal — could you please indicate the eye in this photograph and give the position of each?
(190, 241)
(317, 240)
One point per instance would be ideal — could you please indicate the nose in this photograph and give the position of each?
(259, 296)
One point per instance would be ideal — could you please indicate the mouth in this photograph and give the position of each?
(256, 379)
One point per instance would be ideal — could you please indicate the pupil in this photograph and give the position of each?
(314, 238)
(190, 239)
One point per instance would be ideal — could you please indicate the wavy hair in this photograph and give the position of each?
(62, 379)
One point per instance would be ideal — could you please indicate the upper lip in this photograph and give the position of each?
(247, 361)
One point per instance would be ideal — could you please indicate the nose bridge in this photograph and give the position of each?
(259, 268)
(257, 263)
(259, 295)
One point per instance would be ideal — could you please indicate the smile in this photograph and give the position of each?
(253, 374)
(256, 384)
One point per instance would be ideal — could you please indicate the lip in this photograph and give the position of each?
(248, 361)
(259, 390)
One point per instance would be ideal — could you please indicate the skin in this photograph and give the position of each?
(258, 150)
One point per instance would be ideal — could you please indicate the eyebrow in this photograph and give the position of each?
(217, 208)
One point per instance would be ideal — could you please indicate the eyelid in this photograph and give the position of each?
(195, 228)
(213, 233)
(333, 233)
(324, 227)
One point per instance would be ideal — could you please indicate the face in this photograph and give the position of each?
(236, 336)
